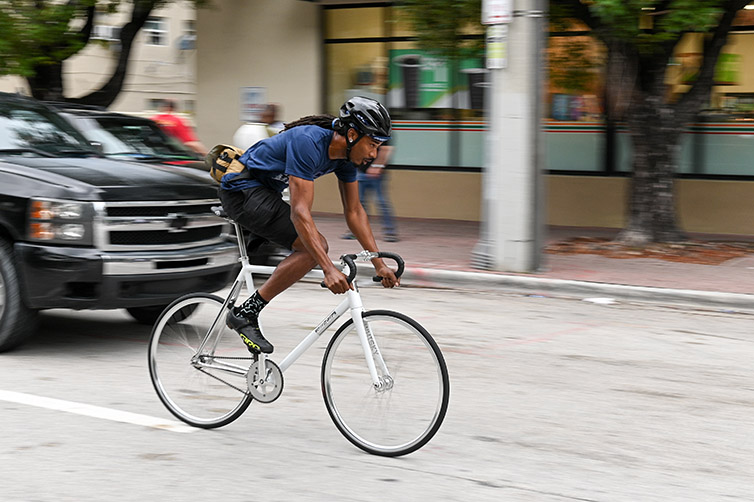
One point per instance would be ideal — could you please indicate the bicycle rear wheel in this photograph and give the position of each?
(407, 412)
(205, 389)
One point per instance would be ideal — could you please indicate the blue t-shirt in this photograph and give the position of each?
(301, 151)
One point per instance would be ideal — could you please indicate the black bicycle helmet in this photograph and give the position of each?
(368, 117)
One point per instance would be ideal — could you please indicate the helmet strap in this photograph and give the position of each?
(350, 143)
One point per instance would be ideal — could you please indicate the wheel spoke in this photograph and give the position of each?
(407, 411)
(202, 390)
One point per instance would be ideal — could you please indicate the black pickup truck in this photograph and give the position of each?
(81, 231)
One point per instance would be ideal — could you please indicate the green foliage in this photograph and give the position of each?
(642, 21)
(442, 26)
(34, 33)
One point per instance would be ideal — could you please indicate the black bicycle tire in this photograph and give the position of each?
(155, 378)
(445, 385)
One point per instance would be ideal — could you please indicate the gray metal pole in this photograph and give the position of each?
(512, 228)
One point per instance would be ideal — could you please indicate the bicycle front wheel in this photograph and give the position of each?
(197, 364)
(406, 410)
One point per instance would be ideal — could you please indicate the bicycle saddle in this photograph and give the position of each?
(219, 211)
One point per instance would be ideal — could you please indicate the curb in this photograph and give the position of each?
(451, 279)
(424, 277)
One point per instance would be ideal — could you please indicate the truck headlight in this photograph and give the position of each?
(60, 222)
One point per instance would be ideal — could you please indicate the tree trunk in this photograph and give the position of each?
(106, 95)
(655, 132)
(47, 82)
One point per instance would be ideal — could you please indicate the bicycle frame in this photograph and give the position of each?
(351, 303)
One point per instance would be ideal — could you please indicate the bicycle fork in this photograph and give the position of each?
(369, 344)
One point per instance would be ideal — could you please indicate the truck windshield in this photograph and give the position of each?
(26, 127)
(133, 137)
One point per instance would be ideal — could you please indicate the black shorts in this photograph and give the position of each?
(263, 212)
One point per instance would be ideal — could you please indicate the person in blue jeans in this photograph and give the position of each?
(372, 182)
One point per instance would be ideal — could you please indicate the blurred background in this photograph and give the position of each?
(220, 61)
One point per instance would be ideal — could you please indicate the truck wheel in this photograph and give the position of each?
(17, 321)
(146, 315)
(149, 315)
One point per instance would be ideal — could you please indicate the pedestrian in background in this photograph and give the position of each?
(270, 119)
(176, 127)
(372, 183)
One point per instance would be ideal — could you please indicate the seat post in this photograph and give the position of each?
(241, 241)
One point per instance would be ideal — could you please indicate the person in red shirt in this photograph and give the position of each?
(177, 127)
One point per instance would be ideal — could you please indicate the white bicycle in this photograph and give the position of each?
(384, 380)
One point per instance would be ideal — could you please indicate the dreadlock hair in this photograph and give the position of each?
(324, 121)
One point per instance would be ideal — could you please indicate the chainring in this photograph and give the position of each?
(272, 386)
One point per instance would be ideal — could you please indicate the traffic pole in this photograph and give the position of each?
(513, 203)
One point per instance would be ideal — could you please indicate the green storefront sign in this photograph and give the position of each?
(728, 69)
(419, 79)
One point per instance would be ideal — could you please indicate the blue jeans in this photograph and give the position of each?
(369, 185)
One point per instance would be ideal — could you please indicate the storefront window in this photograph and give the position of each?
(574, 128)
(355, 23)
(355, 69)
(355, 54)
(423, 85)
(439, 107)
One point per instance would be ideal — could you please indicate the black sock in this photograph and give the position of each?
(252, 306)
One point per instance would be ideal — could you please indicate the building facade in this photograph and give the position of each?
(311, 56)
(162, 63)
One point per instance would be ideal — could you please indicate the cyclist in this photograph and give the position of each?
(307, 149)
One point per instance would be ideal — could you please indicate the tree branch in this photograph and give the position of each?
(105, 95)
(581, 12)
(702, 87)
(661, 8)
(86, 30)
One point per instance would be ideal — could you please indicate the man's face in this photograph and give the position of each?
(365, 150)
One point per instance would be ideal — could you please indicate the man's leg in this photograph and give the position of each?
(364, 182)
(386, 209)
(363, 186)
(290, 270)
(245, 318)
(263, 212)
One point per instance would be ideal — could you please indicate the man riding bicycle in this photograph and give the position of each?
(307, 149)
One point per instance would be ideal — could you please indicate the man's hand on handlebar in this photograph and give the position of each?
(339, 283)
(389, 279)
(336, 281)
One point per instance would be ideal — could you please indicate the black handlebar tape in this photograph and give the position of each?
(349, 260)
(391, 256)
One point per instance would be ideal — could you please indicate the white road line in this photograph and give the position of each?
(94, 411)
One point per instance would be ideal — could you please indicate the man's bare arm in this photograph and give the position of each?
(358, 224)
(302, 198)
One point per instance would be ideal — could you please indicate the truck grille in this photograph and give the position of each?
(163, 225)
(156, 237)
(134, 211)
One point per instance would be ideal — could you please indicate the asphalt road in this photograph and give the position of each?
(552, 400)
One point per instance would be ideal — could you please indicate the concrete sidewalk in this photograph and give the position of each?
(438, 254)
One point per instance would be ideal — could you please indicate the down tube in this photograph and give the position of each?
(314, 335)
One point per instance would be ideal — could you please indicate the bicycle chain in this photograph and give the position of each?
(242, 391)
